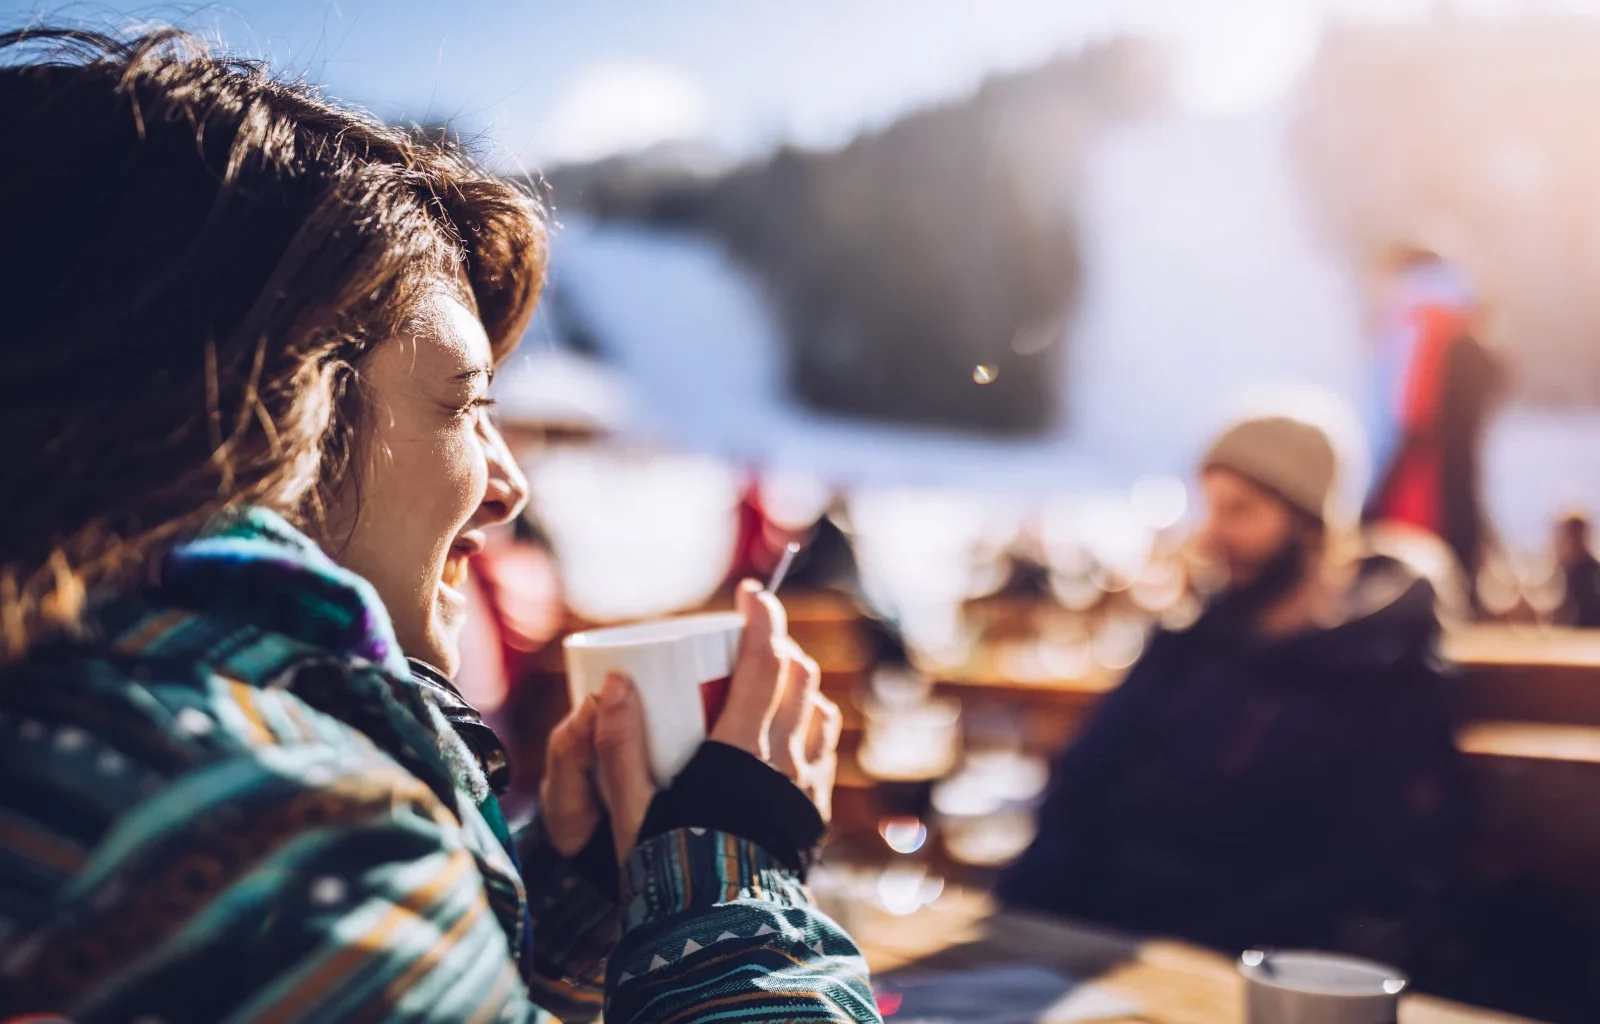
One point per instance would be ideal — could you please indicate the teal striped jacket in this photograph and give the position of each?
(226, 801)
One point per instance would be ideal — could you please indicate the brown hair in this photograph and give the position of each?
(201, 255)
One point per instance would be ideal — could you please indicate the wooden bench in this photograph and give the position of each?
(1524, 674)
(1536, 793)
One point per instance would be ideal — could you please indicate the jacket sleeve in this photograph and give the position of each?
(1059, 863)
(574, 926)
(1405, 801)
(713, 928)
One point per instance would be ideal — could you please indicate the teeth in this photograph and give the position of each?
(455, 572)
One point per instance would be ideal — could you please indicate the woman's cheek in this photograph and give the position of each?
(468, 470)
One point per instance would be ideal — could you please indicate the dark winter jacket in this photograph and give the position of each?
(1239, 791)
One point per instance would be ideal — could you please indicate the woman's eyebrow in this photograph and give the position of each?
(474, 373)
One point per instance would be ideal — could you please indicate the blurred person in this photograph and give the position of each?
(1282, 771)
(243, 379)
(1574, 550)
(760, 543)
(780, 508)
(516, 614)
(1436, 392)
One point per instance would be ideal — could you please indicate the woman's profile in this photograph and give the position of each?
(246, 342)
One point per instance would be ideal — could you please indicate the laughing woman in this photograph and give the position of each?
(246, 342)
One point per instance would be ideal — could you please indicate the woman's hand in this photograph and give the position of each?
(775, 709)
(569, 807)
(598, 763)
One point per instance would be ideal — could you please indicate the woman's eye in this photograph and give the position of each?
(475, 405)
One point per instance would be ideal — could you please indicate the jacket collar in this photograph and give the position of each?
(256, 601)
(251, 567)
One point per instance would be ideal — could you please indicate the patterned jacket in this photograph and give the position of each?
(226, 801)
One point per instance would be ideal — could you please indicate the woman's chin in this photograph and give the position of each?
(440, 653)
(442, 640)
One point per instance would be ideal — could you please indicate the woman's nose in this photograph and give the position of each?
(507, 493)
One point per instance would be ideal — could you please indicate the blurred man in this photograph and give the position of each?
(1581, 570)
(1437, 389)
(1282, 771)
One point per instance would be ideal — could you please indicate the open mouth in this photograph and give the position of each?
(453, 577)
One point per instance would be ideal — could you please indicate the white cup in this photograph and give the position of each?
(681, 669)
(1319, 988)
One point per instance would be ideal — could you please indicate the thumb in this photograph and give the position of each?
(623, 760)
(757, 680)
(570, 805)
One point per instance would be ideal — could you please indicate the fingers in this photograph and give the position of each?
(757, 683)
(570, 808)
(623, 760)
(571, 746)
(775, 708)
(802, 681)
(763, 612)
(827, 724)
(822, 754)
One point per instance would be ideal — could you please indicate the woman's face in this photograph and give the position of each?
(435, 474)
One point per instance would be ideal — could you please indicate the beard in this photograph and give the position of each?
(1279, 575)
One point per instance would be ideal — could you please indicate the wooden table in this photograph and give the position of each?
(1172, 983)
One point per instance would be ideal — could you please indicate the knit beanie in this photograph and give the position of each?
(1289, 457)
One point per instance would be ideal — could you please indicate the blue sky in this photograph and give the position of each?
(543, 80)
